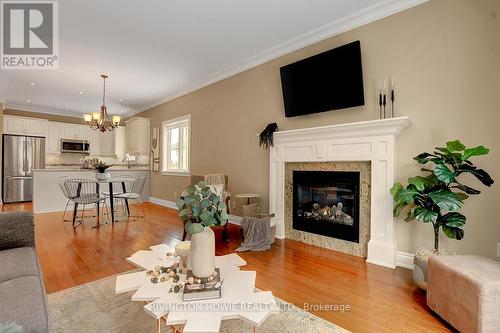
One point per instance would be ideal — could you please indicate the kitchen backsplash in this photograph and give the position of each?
(76, 159)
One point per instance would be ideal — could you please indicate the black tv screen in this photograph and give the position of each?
(328, 81)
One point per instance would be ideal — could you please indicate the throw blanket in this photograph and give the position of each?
(257, 233)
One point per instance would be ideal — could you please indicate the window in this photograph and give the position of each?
(175, 149)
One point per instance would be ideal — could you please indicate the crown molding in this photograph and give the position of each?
(35, 109)
(355, 20)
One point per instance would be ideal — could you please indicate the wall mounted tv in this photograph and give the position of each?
(328, 81)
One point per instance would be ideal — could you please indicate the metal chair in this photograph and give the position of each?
(133, 194)
(83, 192)
(60, 182)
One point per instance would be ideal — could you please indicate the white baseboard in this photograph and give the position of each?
(233, 219)
(163, 202)
(404, 259)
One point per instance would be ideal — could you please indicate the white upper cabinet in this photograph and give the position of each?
(36, 127)
(95, 143)
(120, 142)
(24, 126)
(108, 147)
(108, 144)
(54, 138)
(138, 136)
(71, 131)
(13, 125)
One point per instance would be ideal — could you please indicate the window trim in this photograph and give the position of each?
(166, 125)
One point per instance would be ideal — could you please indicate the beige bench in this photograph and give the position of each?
(465, 291)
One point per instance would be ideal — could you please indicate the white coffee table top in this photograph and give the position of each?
(239, 299)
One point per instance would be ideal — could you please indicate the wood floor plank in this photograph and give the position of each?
(380, 299)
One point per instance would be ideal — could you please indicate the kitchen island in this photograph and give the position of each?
(48, 197)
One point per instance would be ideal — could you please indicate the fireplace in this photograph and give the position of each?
(327, 203)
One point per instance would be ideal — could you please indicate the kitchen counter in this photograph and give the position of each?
(48, 197)
(70, 169)
(77, 166)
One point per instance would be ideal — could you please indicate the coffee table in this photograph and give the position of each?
(239, 298)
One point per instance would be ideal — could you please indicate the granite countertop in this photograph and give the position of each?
(77, 167)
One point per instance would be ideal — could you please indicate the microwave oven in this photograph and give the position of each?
(75, 146)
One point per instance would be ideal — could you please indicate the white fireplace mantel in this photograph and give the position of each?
(372, 141)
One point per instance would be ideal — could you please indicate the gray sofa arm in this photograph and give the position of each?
(17, 229)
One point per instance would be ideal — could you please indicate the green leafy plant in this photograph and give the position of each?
(99, 165)
(437, 197)
(201, 207)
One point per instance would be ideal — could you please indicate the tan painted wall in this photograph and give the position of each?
(49, 117)
(444, 56)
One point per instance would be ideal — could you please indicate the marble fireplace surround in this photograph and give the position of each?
(357, 249)
(372, 141)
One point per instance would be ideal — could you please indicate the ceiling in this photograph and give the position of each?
(156, 50)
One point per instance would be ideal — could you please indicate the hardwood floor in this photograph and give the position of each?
(379, 299)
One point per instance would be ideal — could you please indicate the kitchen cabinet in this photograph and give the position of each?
(54, 138)
(108, 143)
(71, 131)
(120, 142)
(24, 126)
(95, 143)
(138, 136)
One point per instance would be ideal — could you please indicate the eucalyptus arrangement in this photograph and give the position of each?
(437, 197)
(99, 165)
(201, 208)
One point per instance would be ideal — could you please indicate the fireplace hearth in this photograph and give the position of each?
(327, 203)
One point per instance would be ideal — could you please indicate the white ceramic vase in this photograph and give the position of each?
(102, 176)
(202, 253)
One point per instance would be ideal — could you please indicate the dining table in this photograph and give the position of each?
(110, 181)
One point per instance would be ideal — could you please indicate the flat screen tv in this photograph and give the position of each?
(327, 81)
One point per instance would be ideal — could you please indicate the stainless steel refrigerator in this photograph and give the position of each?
(21, 155)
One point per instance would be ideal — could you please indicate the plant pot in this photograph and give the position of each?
(202, 253)
(420, 262)
(102, 175)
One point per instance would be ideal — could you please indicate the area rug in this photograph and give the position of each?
(94, 307)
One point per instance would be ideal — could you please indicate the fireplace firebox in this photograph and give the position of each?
(327, 203)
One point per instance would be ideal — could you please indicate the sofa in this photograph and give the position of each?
(22, 295)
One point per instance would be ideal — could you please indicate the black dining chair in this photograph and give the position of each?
(84, 192)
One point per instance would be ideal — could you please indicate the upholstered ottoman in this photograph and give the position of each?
(465, 291)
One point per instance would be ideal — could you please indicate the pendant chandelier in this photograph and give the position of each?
(99, 120)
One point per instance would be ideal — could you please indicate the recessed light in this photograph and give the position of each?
(67, 106)
(121, 99)
(32, 84)
(28, 101)
(81, 92)
(122, 111)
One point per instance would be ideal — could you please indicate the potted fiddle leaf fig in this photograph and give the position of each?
(437, 196)
(199, 209)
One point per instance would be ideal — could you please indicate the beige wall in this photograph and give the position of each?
(49, 117)
(444, 56)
